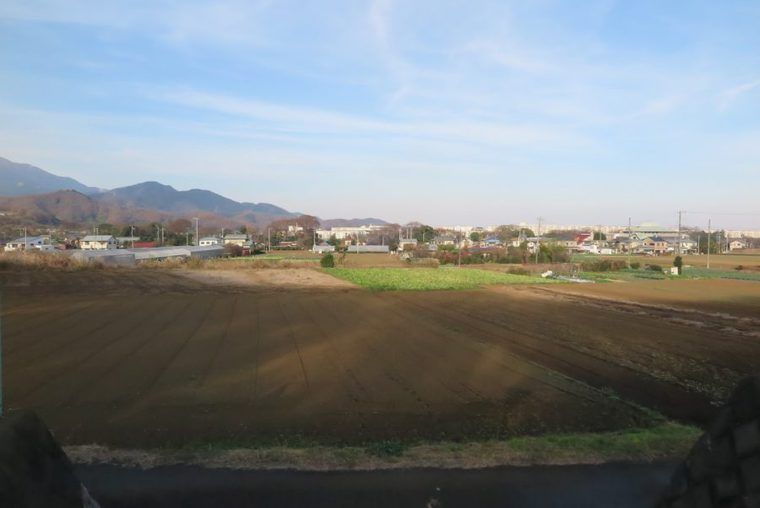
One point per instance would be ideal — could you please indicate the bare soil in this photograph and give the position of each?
(282, 279)
(137, 358)
(732, 297)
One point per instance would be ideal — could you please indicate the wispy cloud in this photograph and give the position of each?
(311, 121)
(371, 91)
(730, 95)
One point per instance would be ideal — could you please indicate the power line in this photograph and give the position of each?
(752, 214)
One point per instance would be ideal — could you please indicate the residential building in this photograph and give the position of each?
(491, 241)
(407, 244)
(239, 239)
(737, 245)
(655, 245)
(343, 232)
(445, 240)
(29, 242)
(207, 241)
(322, 248)
(98, 242)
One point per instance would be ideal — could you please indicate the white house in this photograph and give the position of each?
(208, 241)
(737, 245)
(321, 248)
(343, 232)
(239, 239)
(98, 242)
(29, 242)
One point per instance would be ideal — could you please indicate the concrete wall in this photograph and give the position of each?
(723, 468)
(34, 471)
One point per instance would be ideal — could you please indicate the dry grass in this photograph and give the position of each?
(31, 260)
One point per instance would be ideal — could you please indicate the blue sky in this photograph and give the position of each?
(445, 112)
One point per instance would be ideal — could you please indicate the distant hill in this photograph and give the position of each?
(18, 179)
(71, 208)
(338, 223)
(47, 202)
(165, 198)
(74, 209)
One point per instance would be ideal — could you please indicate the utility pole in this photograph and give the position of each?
(679, 232)
(197, 237)
(538, 239)
(459, 253)
(629, 243)
(133, 236)
(269, 239)
(708, 242)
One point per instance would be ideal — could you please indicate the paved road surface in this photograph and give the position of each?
(618, 485)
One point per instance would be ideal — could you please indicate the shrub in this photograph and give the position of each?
(327, 261)
(654, 268)
(739, 268)
(602, 265)
(636, 265)
(233, 251)
(518, 270)
(678, 263)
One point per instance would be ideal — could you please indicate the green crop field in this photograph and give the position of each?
(688, 273)
(427, 279)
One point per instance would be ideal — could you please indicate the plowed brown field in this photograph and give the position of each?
(153, 357)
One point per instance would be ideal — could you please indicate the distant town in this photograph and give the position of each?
(515, 243)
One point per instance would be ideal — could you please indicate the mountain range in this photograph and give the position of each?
(32, 195)
(23, 179)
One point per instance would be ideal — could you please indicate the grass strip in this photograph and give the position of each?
(667, 441)
(428, 279)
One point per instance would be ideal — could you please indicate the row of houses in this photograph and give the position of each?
(109, 242)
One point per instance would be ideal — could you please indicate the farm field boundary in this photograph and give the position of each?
(667, 441)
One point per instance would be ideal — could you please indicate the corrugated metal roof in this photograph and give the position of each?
(97, 238)
(368, 248)
(30, 239)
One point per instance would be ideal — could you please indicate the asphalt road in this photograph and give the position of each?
(619, 485)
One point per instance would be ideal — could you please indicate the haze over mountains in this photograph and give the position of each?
(35, 196)
(18, 179)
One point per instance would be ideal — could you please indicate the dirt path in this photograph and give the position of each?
(620, 485)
